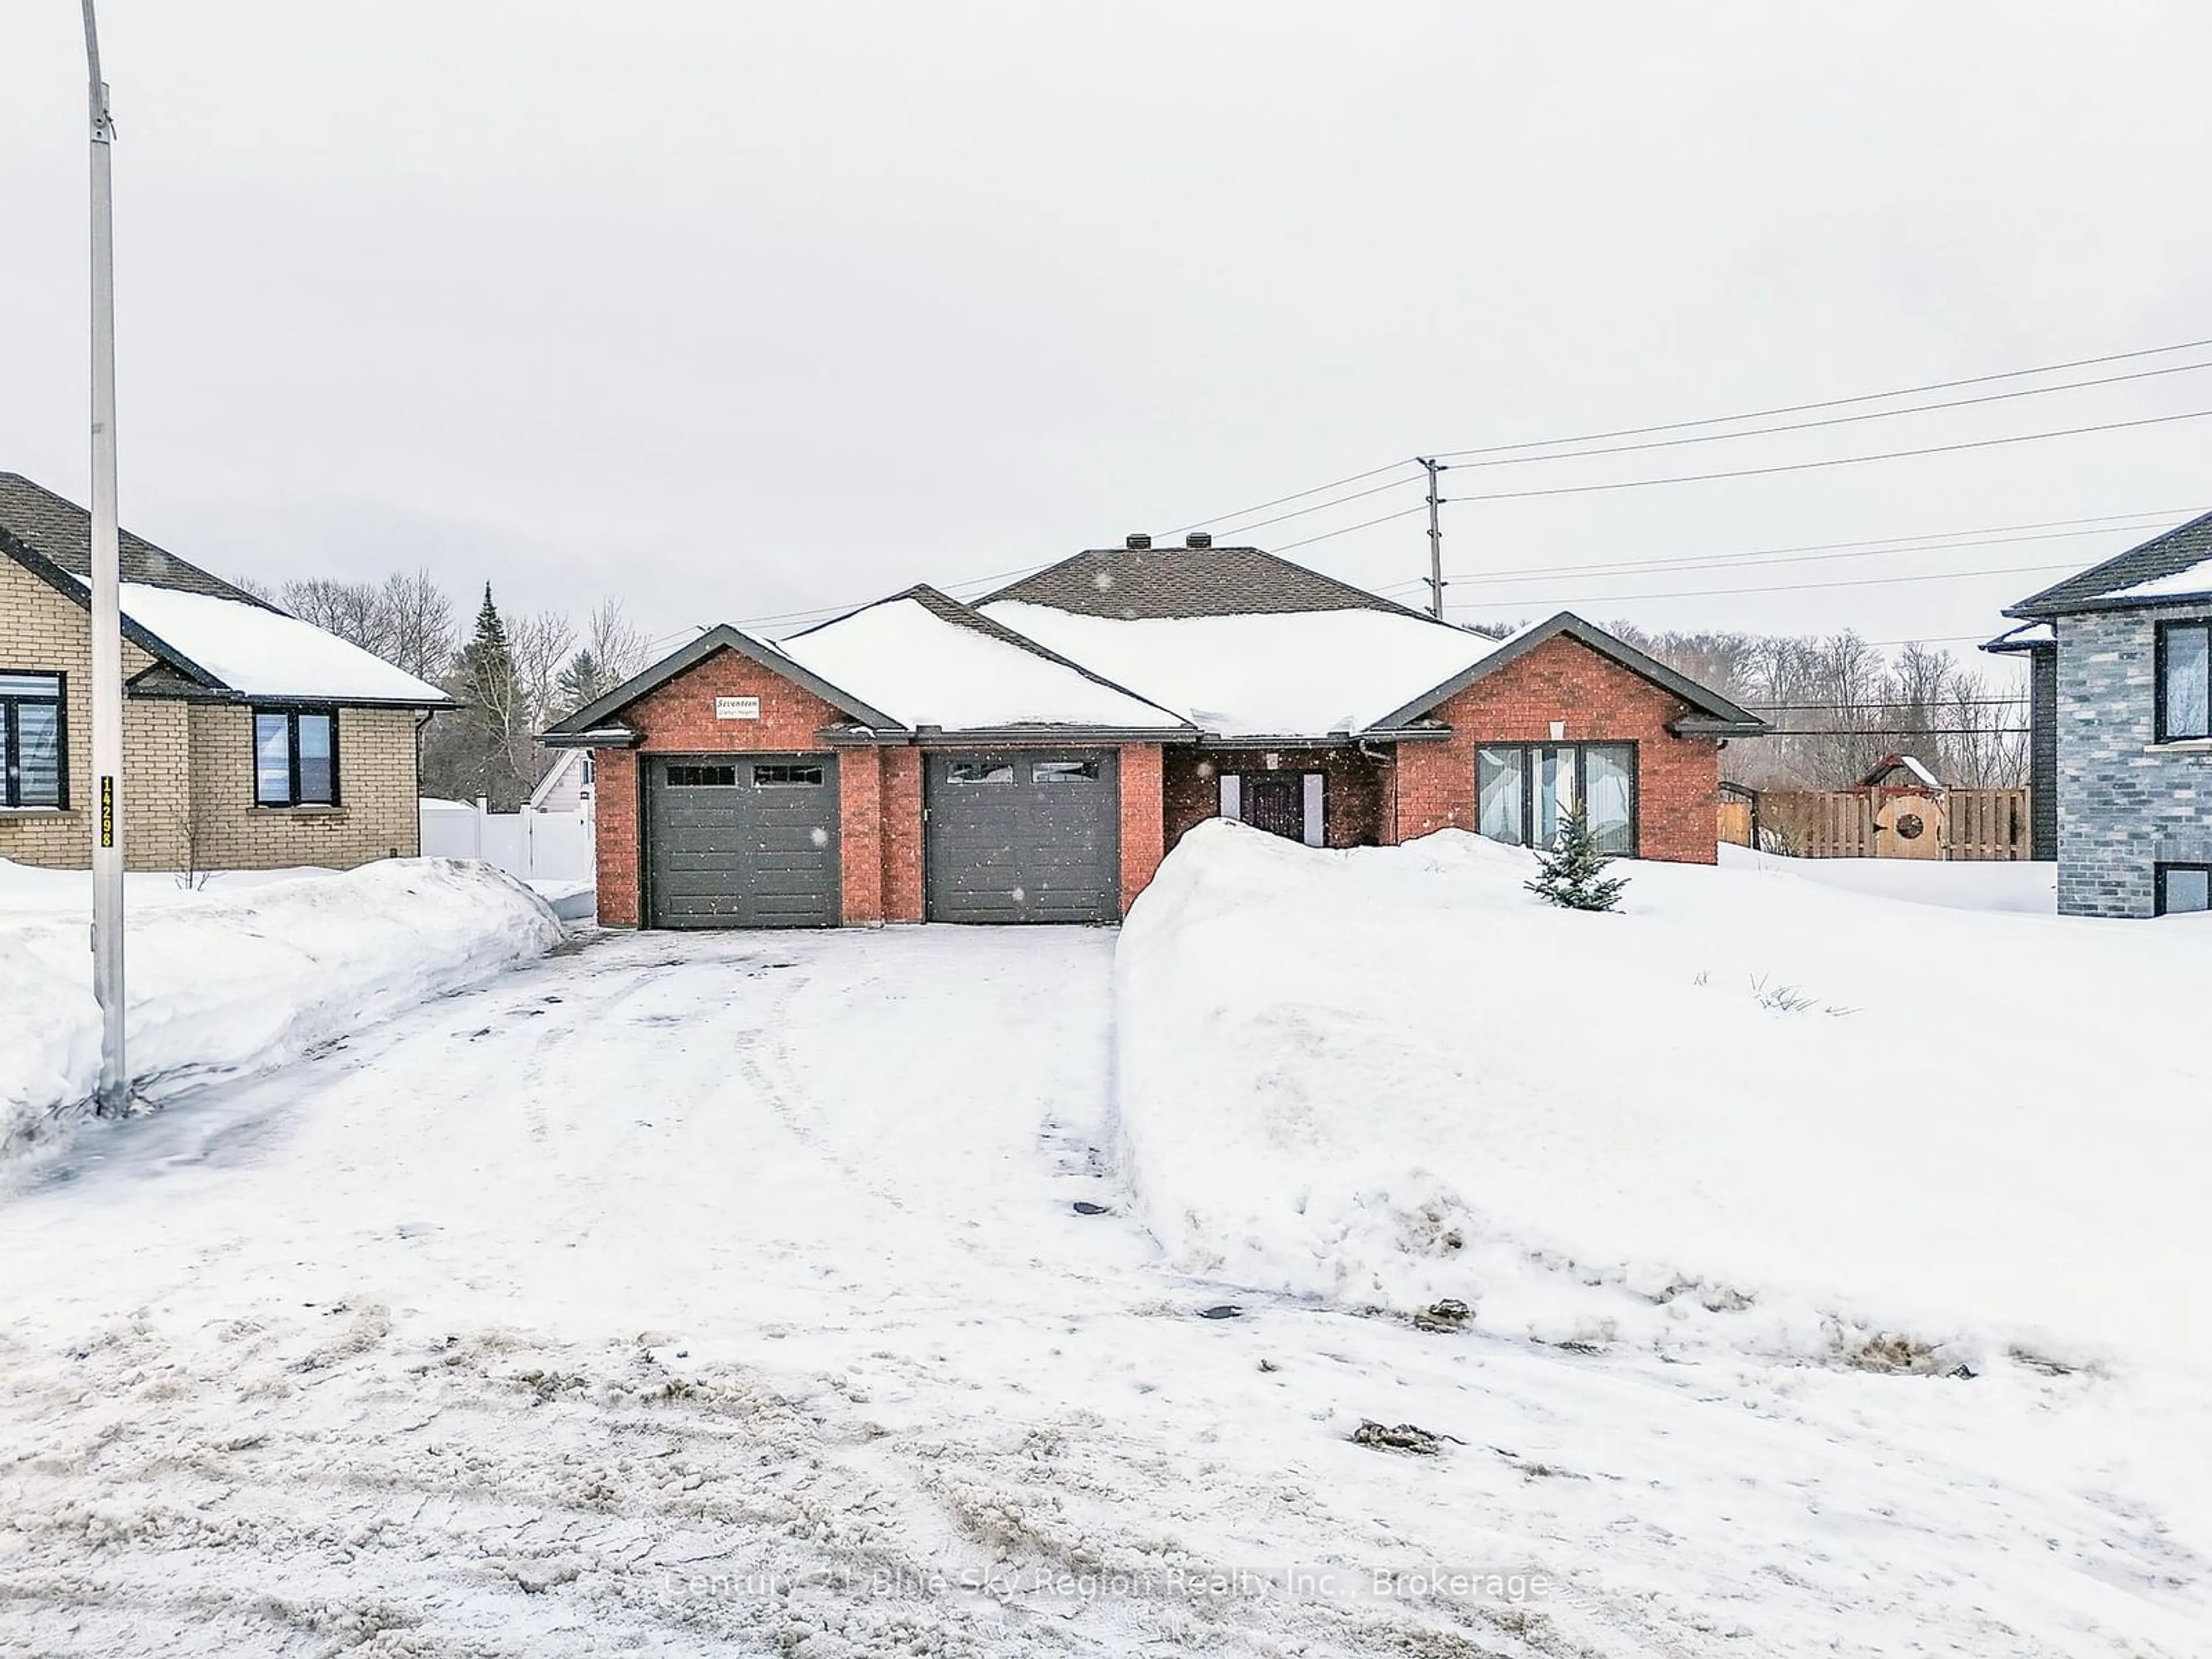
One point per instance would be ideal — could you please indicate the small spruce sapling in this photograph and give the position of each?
(1572, 871)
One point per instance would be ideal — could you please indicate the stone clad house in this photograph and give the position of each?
(2120, 726)
(1032, 756)
(252, 740)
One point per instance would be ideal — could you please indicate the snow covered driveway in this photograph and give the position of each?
(726, 1293)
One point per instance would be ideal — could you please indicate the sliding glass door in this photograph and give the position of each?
(1526, 792)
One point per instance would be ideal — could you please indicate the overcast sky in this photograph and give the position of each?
(737, 310)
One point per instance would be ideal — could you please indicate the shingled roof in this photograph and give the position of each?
(2102, 585)
(1146, 583)
(50, 527)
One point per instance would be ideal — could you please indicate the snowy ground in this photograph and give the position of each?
(692, 1294)
(249, 970)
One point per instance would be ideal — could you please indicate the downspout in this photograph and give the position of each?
(1368, 751)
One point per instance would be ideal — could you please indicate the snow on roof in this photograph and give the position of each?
(2185, 583)
(1309, 674)
(265, 654)
(923, 670)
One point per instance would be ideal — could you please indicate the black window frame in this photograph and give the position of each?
(785, 775)
(11, 782)
(702, 775)
(2166, 630)
(994, 774)
(1060, 769)
(291, 714)
(1582, 747)
(2161, 870)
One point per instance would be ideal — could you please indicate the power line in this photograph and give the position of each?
(1793, 587)
(1327, 535)
(1897, 731)
(1882, 703)
(1839, 460)
(1835, 420)
(1296, 495)
(1829, 402)
(1815, 552)
(1318, 507)
(1747, 563)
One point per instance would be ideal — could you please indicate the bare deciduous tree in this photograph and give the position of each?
(1844, 707)
(354, 611)
(419, 624)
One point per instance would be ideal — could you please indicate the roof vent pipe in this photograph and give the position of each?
(1137, 541)
(1199, 538)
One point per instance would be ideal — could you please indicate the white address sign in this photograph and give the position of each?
(737, 708)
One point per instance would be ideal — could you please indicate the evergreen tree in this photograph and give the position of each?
(490, 739)
(488, 662)
(584, 680)
(1572, 870)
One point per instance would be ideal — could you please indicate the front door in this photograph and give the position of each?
(1276, 802)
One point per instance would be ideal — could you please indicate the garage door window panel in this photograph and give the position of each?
(781, 776)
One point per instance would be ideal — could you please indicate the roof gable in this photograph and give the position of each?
(1711, 714)
(600, 710)
(1131, 584)
(2159, 561)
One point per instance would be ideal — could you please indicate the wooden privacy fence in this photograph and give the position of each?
(1986, 824)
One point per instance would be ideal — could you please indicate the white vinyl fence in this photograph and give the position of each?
(535, 846)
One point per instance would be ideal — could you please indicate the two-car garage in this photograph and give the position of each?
(1008, 837)
(912, 761)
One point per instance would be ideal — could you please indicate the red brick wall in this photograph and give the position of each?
(679, 717)
(1356, 808)
(901, 864)
(1142, 819)
(1677, 781)
(615, 773)
(859, 834)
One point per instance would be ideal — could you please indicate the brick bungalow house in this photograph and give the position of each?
(1031, 757)
(250, 740)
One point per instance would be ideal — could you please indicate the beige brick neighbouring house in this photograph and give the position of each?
(252, 740)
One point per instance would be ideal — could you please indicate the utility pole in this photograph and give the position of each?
(1436, 533)
(106, 815)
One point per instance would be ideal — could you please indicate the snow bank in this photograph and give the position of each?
(224, 983)
(1751, 1108)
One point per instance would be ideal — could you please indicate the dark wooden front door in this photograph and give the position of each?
(1276, 802)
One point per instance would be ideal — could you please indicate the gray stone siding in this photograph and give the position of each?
(2125, 805)
(2042, 753)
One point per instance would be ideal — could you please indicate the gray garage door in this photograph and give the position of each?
(1024, 837)
(742, 841)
